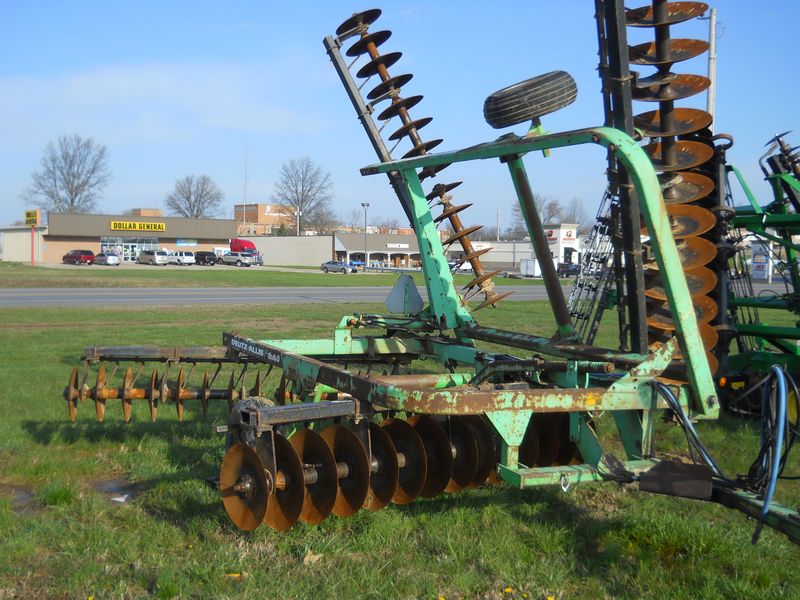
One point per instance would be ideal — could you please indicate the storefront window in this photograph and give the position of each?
(127, 248)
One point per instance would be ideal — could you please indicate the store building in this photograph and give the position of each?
(125, 235)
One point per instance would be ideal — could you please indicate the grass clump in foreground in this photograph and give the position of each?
(172, 538)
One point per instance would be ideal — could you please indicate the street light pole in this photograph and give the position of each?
(365, 206)
(297, 213)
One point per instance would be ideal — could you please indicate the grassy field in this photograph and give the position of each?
(16, 275)
(62, 536)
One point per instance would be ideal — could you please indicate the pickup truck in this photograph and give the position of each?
(240, 259)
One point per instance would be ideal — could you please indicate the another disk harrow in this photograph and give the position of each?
(682, 148)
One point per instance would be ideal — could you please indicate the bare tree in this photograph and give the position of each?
(324, 220)
(303, 187)
(354, 219)
(385, 222)
(549, 212)
(574, 212)
(195, 197)
(74, 172)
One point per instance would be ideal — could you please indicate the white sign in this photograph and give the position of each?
(396, 246)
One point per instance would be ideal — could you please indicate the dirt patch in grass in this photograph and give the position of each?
(22, 501)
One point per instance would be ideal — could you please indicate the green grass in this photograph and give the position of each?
(172, 537)
(16, 275)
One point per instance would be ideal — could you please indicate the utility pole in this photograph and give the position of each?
(365, 206)
(298, 213)
(712, 62)
(498, 224)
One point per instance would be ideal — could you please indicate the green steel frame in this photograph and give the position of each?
(446, 332)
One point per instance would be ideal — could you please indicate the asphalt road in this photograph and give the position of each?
(246, 295)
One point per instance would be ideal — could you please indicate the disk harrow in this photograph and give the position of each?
(426, 400)
(683, 149)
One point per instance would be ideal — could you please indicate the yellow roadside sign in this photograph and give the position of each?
(33, 217)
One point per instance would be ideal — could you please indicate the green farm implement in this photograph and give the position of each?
(424, 399)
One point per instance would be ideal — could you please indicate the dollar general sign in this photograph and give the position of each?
(137, 226)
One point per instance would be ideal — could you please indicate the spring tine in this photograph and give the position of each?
(256, 389)
(231, 392)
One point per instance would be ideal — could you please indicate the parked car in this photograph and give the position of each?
(106, 259)
(205, 257)
(256, 258)
(337, 266)
(153, 257)
(568, 270)
(240, 259)
(182, 257)
(78, 257)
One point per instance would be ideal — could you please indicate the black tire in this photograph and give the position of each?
(324, 269)
(343, 271)
(238, 263)
(530, 99)
(219, 261)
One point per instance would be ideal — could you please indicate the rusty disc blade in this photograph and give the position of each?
(492, 299)
(465, 454)
(177, 397)
(687, 220)
(358, 21)
(286, 504)
(373, 66)
(422, 148)
(320, 495)
(397, 105)
(406, 129)
(687, 155)
(484, 440)
(152, 395)
(414, 468)
(687, 120)
(438, 454)
(440, 189)
(708, 335)
(529, 448)
(361, 46)
(245, 508)
(453, 209)
(679, 87)
(684, 186)
(351, 491)
(700, 281)
(694, 252)
(384, 472)
(99, 401)
(548, 429)
(679, 50)
(393, 83)
(677, 12)
(431, 171)
(384, 481)
(705, 309)
(71, 394)
(127, 404)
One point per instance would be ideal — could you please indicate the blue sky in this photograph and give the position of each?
(175, 88)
